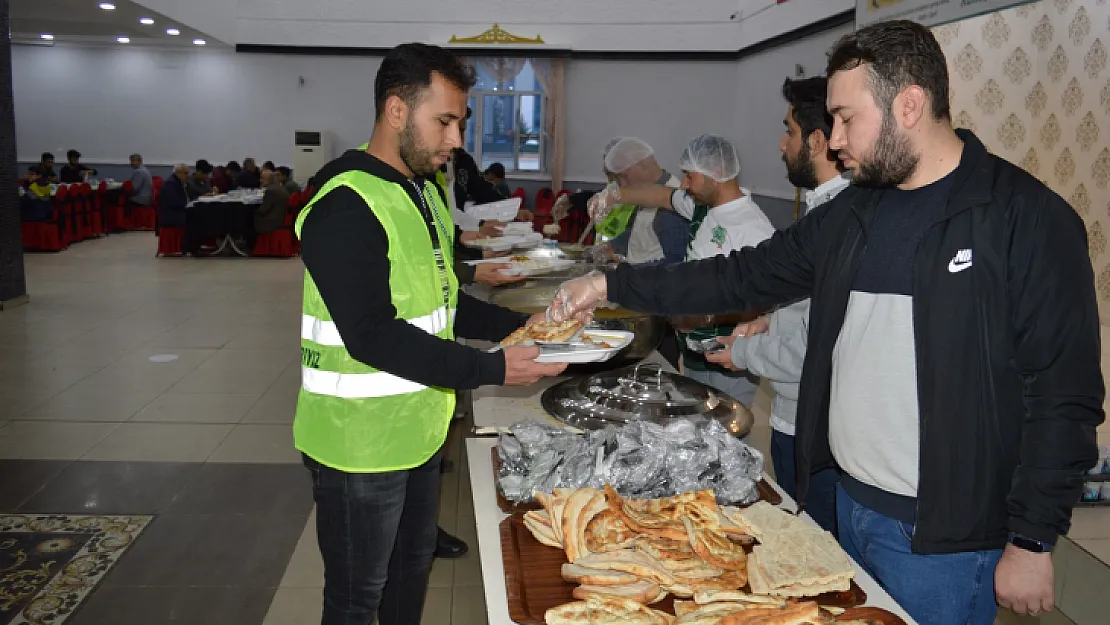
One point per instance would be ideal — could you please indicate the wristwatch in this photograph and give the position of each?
(1029, 544)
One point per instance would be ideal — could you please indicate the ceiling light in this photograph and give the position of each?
(199, 42)
(147, 21)
(173, 31)
(123, 39)
(107, 6)
(47, 36)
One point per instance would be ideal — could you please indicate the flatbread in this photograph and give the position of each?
(811, 558)
(543, 532)
(760, 585)
(712, 596)
(595, 507)
(642, 591)
(596, 577)
(608, 532)
(710, 614)
(662, 548)
(691, 569)
(762, 520)
(554, 504)
(716, 548)
(630, 561)
(795, 614)
(573, 531)
(550, 331)
(682, 608)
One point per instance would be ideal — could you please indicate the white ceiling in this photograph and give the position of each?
(83, 22)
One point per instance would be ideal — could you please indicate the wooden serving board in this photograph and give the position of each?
(766, 492)
(534, 583)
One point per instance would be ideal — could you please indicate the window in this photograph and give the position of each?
(507, 124)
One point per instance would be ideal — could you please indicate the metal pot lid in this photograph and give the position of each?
(643, 392)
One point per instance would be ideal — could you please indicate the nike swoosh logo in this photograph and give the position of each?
(954, 267)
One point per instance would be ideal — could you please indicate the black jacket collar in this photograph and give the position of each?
(362, 160)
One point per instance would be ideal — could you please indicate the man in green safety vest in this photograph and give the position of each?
(380, 366)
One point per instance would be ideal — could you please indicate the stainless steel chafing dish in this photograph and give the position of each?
(643, 392)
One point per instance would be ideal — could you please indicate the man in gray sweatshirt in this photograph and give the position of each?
(774, 346)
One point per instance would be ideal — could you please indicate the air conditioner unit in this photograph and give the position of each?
(311, 151)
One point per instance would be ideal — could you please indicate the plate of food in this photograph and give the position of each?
(525, 266)
(570, 341)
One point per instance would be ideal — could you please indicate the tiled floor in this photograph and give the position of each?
(137, 385)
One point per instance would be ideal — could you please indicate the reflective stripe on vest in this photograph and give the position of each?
(325, 333)
(356, 385)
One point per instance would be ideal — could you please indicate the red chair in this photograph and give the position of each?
(83, 210)
(99, 215)
(46, 236)
(522, 194)
(146, 217)
(280, 243)
(171, 241)
(545, 199)
(158, 181)
(119, 214)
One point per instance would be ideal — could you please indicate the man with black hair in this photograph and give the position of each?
(46, 168)
(73, 170)
(952, 370)
(495, 174)
(250, 177)
(774, 346)
(285, 178)
(379, 362)
(198, 184)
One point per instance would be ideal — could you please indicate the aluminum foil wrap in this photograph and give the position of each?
(641, 460)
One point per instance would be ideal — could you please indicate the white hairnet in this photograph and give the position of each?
(712, 156)
(626, 153)
(609, 146)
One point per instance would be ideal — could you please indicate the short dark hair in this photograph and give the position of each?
(807, 96)
(72, 154)
(203, 166)
(496, 169)
(898, 53)
(46, 156)
(285, 171)
(268, 165)
(406, 72)
(233, 166)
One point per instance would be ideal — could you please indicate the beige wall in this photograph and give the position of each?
(1033, 84)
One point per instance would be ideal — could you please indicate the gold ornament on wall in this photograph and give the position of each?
(1058, 64)
(990, 98)
(1065, 167)
(496, 35)
(1030, 162)
(1072, 97)
(1043, 33)
(1011, 133)
(996, 31)
(1050, 132)
(1018, 67)
(1095, 59)
(1104, 97)
(968, 62)
(964, 120)
(1062, 6)
(1036, 100)
(1096, 240)
(1080, 27)
(1100, 169)
(1086, 134)
(1080, 200)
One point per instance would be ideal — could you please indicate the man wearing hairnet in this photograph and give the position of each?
(723, 218)
(640, 236)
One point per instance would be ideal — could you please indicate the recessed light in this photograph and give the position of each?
(199, 42)
(107, 6)
(47, 36)
(147, 21)
(173, 31)
(123, 39)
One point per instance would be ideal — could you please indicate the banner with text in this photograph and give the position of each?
(927, 12)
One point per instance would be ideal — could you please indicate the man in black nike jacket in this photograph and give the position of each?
(953, 369)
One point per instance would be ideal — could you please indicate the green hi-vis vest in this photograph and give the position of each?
(351, 416)
(616, 222)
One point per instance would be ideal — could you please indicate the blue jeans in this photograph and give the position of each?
(377, 535)
(935, 589)
(821, 498)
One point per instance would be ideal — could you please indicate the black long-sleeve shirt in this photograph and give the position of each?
(345, 249)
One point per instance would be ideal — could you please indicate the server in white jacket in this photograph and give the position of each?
(774, 346)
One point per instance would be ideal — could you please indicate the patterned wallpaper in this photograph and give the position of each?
(1033, 83)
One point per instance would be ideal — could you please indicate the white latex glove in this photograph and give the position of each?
(578, 298)
(561, 208)
(603, 202)
(602, 253)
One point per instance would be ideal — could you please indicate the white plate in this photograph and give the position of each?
(619, 340)
(517, 227)
(536, 267)
(504, 210)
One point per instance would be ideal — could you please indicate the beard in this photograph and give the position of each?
(891, 162)
(801, 172)
(418, 157)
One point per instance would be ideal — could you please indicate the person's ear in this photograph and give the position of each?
(909, 106)
(396, 112)
(817, 143)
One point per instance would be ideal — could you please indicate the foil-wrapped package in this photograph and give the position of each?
(640, 459)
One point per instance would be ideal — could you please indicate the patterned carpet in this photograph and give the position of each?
(50, 563)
